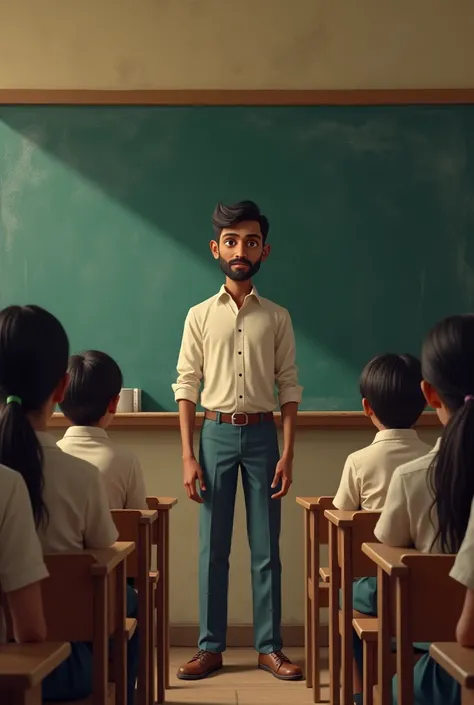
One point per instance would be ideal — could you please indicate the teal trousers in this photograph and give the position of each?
(224, 449)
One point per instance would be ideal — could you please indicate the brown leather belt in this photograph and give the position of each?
(239, 418)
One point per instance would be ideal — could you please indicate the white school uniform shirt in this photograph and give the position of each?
(74, 494)
(368, 471)
(407, 519)
(21, 557)
(120, 468)
(463, 568)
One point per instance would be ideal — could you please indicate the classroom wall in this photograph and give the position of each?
(245, 44)
(251, 44)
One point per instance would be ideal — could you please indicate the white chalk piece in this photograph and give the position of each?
(125, 405)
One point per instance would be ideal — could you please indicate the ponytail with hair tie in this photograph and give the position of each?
(34, 351)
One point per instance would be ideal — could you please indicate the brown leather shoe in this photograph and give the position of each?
(280, 666)
(201, 665)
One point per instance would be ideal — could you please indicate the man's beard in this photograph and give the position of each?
(240, 275)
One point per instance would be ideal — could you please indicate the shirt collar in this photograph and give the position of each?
(395, 434)
(85, 432)
(224, 294)
(46, 440)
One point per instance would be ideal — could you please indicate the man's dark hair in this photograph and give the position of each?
(225, 216)
(95, 380)
(392, 386)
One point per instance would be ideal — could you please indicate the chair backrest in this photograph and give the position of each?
(322, 530)
(127, 522)
(153, 504)
(435, 599)
(363, 526)
(68, 596)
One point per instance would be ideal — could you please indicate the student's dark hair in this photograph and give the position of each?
(448, 365)
(392, 386)
(95, 380)
(225, 216)
(34, 350)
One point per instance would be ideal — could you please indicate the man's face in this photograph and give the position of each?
(240, 250)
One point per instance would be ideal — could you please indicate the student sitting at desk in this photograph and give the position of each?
(21, 559)
(429, 500)
(67, 496)
(390, 386)
(90, 402)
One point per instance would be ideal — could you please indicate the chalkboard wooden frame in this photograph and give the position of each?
(174, 97)
(311, 420)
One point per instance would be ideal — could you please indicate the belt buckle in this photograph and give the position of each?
(239, 413)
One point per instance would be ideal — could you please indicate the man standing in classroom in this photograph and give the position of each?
(242, 347)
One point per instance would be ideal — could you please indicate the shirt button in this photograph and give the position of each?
(241, 397)
(240, 353)
(240, 374)
(240, 330)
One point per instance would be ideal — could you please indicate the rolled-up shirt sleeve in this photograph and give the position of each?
(190, 362)
(286, 373)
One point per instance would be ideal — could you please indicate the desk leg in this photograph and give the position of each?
(308, 619)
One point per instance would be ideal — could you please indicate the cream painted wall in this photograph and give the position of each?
(229, 44)
(318, 464)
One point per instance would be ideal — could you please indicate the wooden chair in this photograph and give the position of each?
(347, 532)
(84, 600)
(23, 668)
(418, 584)
(136, 525)
(161, 542)
(459, 663)
(316, 584)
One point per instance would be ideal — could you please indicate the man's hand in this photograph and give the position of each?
(192, 473)
(283, 473)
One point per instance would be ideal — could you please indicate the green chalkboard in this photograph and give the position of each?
(105, 220)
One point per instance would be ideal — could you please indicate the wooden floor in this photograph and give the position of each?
(240, 682)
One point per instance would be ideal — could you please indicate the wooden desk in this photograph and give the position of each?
(136, 525)
(316, 592)
(161, 540)
(23, 667)
(458, 661)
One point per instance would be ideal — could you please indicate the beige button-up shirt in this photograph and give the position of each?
(240, 355)
(367, 473)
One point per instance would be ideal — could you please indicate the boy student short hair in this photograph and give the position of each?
(392, 386)
(94, 380)
(225, 216)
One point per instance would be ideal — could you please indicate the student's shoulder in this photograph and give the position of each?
(69, 467)
(360, 457)
(10, 481)
(417, 466)
(123, 454)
